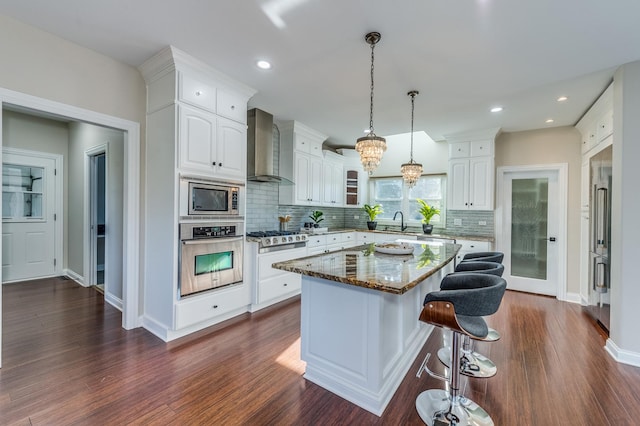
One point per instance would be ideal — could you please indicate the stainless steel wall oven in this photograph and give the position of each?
(211, 256)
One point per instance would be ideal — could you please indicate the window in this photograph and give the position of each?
(393, 195)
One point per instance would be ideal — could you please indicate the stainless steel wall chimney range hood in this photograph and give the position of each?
(260, 148)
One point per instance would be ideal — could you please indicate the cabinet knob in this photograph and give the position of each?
(285, 284)
(214, 163)
(220, 164)
(198, 93)
(215, 306)
(232, 108)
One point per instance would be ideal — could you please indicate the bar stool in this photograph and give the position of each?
(472, 363)
(485, 256)
(461, 311)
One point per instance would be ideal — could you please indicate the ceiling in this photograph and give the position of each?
(464, 56)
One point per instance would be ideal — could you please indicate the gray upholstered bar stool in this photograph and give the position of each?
(461, 311)
(483, 256)
(472, 363)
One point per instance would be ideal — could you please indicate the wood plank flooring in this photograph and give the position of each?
(66, 360)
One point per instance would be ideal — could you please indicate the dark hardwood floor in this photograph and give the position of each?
(66, 360)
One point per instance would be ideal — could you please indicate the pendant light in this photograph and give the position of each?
(411, 171)
(371, 147)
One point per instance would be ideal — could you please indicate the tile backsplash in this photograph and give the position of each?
(263, 211)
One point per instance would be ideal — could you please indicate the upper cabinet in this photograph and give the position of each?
(355, 179)
(333, 187)
(211, 112)
(471, 176)
(597, 124)
(211, 145)
(302, 162)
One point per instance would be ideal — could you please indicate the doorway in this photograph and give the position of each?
(98, 221)
(531, 227)
(131, 192)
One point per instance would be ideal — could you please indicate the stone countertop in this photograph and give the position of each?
(449, 236)
(362, 266)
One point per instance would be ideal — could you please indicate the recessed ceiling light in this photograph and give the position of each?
(549, 120)
(264, 65)
(496, 109)
(562, 98)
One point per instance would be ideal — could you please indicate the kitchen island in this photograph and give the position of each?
(359, 328)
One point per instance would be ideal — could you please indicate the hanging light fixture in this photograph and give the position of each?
(411, 171)
(371, 147)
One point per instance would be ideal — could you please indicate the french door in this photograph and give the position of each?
(531, 228)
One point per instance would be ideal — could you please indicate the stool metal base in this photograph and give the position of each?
(492, 336)
(476, 365)
(436, 408)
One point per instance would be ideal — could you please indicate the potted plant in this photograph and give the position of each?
(316, 217)
(427, 213)
(372, 211)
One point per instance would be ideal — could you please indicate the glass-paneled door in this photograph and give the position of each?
(531, 230)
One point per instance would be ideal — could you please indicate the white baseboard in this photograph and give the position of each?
(621, 355)
(113, 301)
(74, 276)
(573, 298)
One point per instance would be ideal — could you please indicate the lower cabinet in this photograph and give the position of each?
(274, 285)
(469, 246)
(207, 306)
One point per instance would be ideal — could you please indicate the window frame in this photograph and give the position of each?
(441, 220)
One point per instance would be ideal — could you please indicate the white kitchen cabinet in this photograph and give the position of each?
(274, 285)
(301, 162)
(195, 116)
(596, 129)
(471, 175)
(365, 237)
(333, 187)
(308, 179)
(469, 246)
(471, 184)
(211, 145)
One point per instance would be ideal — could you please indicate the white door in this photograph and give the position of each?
(28, 216)
(531, 231)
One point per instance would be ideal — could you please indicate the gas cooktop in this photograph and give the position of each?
(278, 238)
(262, 234)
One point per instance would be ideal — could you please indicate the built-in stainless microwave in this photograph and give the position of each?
(210, 199)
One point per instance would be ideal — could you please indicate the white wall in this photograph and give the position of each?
(548, 146)
(434, 156)
(83, 137)
(25, 131)
(625, 232)
(44, 65)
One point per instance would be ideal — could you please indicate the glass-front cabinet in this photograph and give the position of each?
(22, 192)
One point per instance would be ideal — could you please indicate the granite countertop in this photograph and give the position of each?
(362, 266)
(444, 235)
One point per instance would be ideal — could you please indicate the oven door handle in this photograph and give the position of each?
(210, 240)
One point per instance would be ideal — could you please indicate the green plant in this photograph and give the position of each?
(373, 211)
(426, 211)
(316, 216)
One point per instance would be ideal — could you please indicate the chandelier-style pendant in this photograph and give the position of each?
(371, 147)
(411, 171)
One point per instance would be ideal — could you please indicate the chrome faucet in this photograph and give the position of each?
(402, 227)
